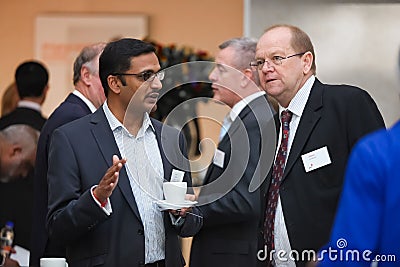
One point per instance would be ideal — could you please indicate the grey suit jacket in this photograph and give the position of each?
(80, 154)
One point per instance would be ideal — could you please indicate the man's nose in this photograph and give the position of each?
(212, 76)
(156, 84)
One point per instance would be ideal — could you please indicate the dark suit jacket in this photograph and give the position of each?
(229, 233)
(335, 116)
(80, 154)
(22, 115)
(71, 109)
(16, 196)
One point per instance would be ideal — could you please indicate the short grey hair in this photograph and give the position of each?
(87, 57)
(20, 133)
(245, 47)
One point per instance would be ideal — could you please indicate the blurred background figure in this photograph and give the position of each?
(87, 96)
(18, 152)
(10, 99)
(365, 218)
(31, 79)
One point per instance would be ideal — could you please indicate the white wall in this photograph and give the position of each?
(355, 44)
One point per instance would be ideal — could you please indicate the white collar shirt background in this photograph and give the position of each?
(235, 111)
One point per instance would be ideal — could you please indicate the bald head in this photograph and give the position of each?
(17, 151)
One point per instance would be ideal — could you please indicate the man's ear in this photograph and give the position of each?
(246, 78)
(114, 83)
(85, 75)
(307, 62)
(15, 150)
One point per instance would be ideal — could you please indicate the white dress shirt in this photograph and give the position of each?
(146, 176)
(235, 111)
(281, 238)
(84, 99)
(29, 104)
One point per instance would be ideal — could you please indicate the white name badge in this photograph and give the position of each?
(219, 158)
(177, 175)
(316, 159)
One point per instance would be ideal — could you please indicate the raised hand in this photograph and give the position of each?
(109, 181)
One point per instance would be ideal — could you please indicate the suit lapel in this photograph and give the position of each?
(309, 118)
(105, 140)
(225, 142)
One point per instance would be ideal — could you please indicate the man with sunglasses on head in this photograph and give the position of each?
(106, 171)
(318, 125)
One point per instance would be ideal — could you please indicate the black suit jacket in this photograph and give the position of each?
(16, 196)
(71, 109)
(229, 233)
(80, 154)
(335, 116)
(22, 115)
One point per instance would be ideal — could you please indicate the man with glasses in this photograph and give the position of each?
(318, 126)
(106, 171)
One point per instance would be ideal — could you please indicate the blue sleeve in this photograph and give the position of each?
(356, 230)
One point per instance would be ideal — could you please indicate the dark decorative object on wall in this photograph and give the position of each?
(169, 56)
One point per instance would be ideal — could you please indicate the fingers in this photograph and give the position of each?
(180, 212)
(110, 179)
(115, 159)
(190, 197)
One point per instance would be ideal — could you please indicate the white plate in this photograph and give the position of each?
(164, 205)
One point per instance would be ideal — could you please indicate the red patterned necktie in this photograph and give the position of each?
(277, 174)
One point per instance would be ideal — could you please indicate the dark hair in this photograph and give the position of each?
(300, 41)
(117, 56)
(31, 78)
(86, 58)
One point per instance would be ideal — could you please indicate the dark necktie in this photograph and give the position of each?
(277, 174)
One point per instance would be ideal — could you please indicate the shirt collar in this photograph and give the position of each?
(115, 123)
(84, 99)
(299, 101)
(239, 106)
(29, 104)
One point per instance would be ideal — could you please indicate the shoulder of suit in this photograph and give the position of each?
(77, 124)
(343, 89)
(63, 115)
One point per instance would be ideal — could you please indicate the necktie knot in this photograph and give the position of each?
(286, 117)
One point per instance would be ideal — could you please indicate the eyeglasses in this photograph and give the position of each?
(274, 61)
(146, 75)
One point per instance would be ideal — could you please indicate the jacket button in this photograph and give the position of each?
(140, 232)
(141, 264)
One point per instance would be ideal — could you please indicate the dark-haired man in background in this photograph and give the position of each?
(31, 78)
